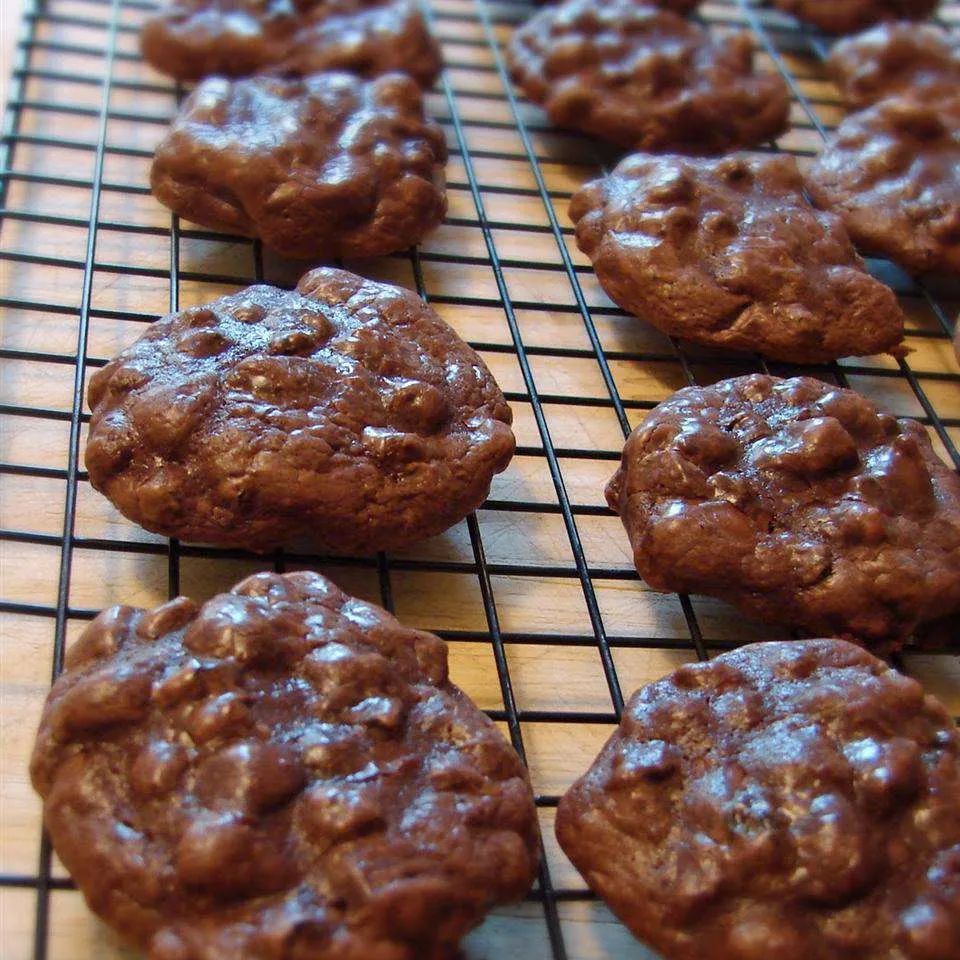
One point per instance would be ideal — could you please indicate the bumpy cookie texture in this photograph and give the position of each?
(345, 412)
(892, 172)
(645, 78)
(730, 253)
(796, 800)
(193, 39)
(797, 501)
(284, 772)
(847, 16)
(325, 167)
(895, 58)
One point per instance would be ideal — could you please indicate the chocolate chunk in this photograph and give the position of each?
(325, 167)
(645, 78)
(848, 16)
(730, 253)
(797, 501)
(192, 39)
(345, 412)
(308, 830)
(895, 58)
(892, 172)
(809, 813)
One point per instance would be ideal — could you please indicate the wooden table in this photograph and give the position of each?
(545, 609)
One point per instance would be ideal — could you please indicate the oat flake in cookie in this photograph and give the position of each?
(283, 773)
(786, 801)
(893, 58)
(892, 172)
(847, 16)
(323, 167)
(345, 412)
(192, 39)
(730, 253)
(645, 78)
(797, 501)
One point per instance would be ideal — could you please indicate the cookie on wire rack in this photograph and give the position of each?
(192, 39)
(645, 78)
(344, 414)
(797, 501)
(324, 167)
(903, 57)
(282, 772)
(848, 16)
(795, 800)
(730, 253)
(892, 172)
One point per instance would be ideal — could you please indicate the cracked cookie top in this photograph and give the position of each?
(893, 58)
(797, 501)
(345, 413)
(645, 78)
(892, 172)
(282, 772)
(795, 800)
(192, 39)
(730, 253)
(319, 168)
(847, 16)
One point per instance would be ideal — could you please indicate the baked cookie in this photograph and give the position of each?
(797, 501)
(192, 39)
(321, 167)
(848, 16)
(645, 78)
(345, 412)
(892, 172)
(793, 800)
(730, 253)
(895, 58)
(683, 7)
(283, 772)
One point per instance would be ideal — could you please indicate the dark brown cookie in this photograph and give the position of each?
(848, 16)
(345, 412)
(730, 253)
(894, 58)
(324, 167)
(793, 800)
(797, 501)
(892, 172)
(192, 39)
(645, 78)
(285, 772)
(683, 7)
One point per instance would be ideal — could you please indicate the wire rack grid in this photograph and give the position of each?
(549, 626)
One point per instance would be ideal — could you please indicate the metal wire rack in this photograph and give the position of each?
(549, 625)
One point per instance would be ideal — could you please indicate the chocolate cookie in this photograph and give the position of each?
(793, 800)
(847, 16)
(894, 58)
(324, 167)
(892, 172)
(730, 253)
(345, 412)
(645, 78)
(284, 772)
(192, 39)
(797, 501)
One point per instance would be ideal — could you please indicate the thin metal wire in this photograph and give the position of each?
(70, 507)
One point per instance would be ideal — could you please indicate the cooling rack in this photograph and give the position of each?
(549, 626)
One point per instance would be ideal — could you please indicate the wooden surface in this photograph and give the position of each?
(543, 609)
